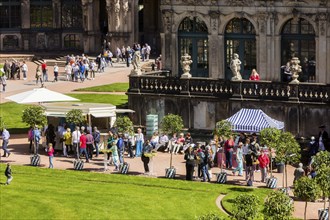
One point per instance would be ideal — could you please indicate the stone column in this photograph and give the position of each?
(261, 46)
(221, 52)
(90, 12)
(25, 21)
(321, 48)
(214, 55)
(57, 14)
(166, 39)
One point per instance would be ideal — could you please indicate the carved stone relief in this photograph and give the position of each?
(167, 20)
(240, 3)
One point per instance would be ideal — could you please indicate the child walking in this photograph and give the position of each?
(50, 153)
(8, 174)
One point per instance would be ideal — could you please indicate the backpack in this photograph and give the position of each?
(249, 183)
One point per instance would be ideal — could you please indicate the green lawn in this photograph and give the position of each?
(117, 100)
(11, 113)
(38, 193)
(115, 87)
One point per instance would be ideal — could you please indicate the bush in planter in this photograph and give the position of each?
(271, 138)
(223, 129)
(278, 206)
(322, 178)
(34, 115)
(171, 124)
(322, 157)
(75, 116)
(124, 124)
(307, 190)
(246, 207)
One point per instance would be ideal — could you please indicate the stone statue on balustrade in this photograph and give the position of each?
(185, 64)
(235, 67)
(136, 62)
(295, 69)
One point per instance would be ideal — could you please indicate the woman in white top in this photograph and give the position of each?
(68, 71)
(56, 68)
(139, 140)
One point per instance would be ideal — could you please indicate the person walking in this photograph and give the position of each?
(139, 140)
(68, 71)
(75, 141)
(263, 164)
(147, 148)
(24, 68)
(229, 148)
(36, 139)
(90, 144)
(190, 158)
(50, 153)
(3, 79)
(298, 172)
(239, 160)
(67, 138)
(114, 155)
(97, 139)
(83, 146)
(56, 69)
(8, 174)
(5, 140)
(39, 76)
(44, 71)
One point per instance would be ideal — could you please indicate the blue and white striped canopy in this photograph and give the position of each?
(253, 120)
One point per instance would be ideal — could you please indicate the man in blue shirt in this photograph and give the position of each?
(36, 138)
(5, 139)
(120, 147)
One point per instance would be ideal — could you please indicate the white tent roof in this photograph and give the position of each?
(253, 120)
(40, 95)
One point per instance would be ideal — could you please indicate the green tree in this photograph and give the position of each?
(306, 189)
(287, 151)
(271, 138)
(124, 124)
(75, 116)
(34, 115)
(323, 180)
(278, 206)
(322, 157)
(171, 124)
(246, 207)
(223, 129)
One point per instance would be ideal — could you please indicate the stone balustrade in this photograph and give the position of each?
(219, 88)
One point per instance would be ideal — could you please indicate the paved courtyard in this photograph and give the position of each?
(118, 73)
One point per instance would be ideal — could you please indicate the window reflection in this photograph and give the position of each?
(41, 14)
(10, 14)
(71, 14)
(298, 40)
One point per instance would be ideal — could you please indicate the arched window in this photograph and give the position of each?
(10, 14)
(72, 41)
(193, 39)
(41, 13)
(240, 38)
(298, 40)
(71, 14)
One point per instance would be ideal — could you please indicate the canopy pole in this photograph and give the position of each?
(90, 121)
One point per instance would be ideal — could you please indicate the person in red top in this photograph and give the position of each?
(50, 153)
(44, 71)
(83, 145)
(229, 149)
(254, 75)
(263, 164)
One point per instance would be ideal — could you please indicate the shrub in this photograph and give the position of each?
(278, 206)
(172, 124)
(209, 216)
(34, 115)
(75, 116)
(246, 207)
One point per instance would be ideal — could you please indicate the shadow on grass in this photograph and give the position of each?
(241, 189)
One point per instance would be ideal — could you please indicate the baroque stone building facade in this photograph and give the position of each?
(265, 33)
(48, 25)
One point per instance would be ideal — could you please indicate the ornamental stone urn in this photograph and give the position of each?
(185, 64)
(295, 69)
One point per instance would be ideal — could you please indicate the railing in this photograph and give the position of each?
(267, 90)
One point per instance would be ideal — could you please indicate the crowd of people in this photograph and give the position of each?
(234, 154)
